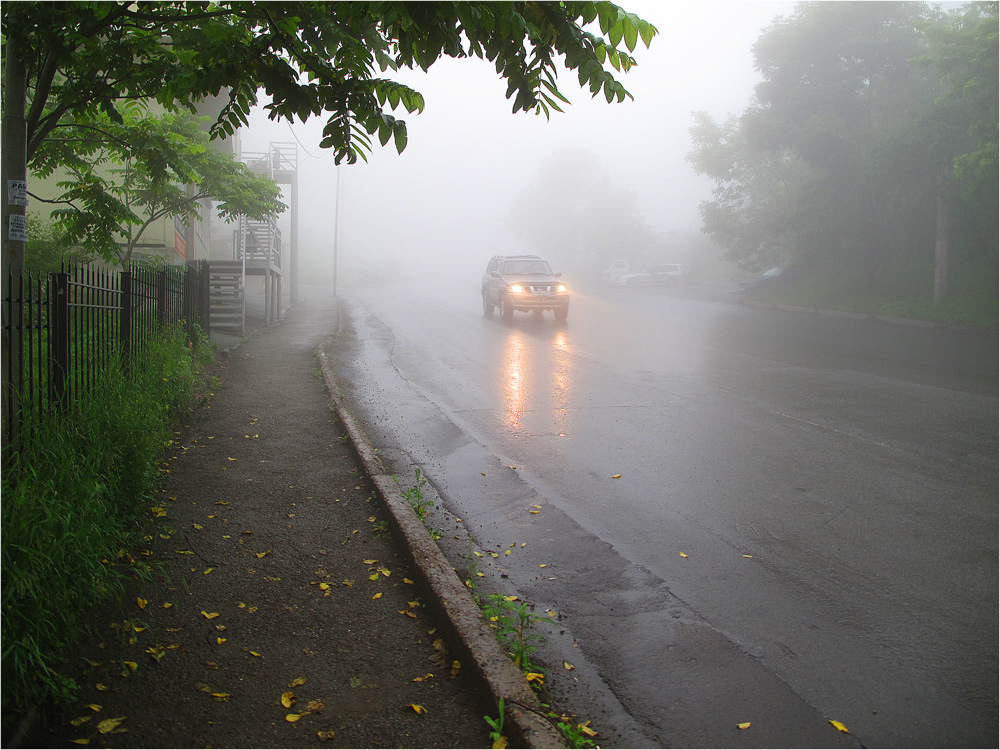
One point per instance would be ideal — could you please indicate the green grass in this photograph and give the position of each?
(971, 299)
(72, 499)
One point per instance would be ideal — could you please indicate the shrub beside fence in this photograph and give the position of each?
(60, 329)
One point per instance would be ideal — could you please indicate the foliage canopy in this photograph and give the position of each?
(308, 58)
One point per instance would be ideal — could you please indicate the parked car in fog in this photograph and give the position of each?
(754, 282)
(657, 275)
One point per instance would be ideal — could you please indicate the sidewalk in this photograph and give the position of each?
(274, 574)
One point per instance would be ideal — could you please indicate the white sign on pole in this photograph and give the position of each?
(17, 193)
(17, 228)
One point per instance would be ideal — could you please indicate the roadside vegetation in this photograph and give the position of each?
(972, 299)
(866, 161)
(72, 498)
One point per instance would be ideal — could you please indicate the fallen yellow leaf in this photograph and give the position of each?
(744, 725)
(198, 526)
(101, 686)
(682, 554)
(93, 707)
(287, 699)
(220, 640)
(535, 677)
(297, 681)
(141, 602)
(839, 726)
(369, 562)
(585, 728)
(109, 725)
(568, 665)
(407, 580)
(220, 696)
(81, 720)
(325, 735)
(616, 476)
(263, 554)
(378, 595)
(416, 708)
(292, 717)
(210, 615)
(131, 665)
(83, 741)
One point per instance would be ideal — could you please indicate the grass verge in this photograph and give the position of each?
(72, 497)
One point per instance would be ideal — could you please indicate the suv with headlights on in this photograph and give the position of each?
(523, 282)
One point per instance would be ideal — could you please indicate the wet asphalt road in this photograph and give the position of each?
(746, 515)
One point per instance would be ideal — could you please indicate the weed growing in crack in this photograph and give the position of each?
(513, 621)
(574, 733)
(415, 496)
(497, 735)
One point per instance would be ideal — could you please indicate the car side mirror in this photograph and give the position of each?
(495, 274)
(559, 275)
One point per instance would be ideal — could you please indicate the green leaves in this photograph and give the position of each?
(128, 171)
(308, 58)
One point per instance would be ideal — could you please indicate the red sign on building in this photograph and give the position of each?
(180, 243)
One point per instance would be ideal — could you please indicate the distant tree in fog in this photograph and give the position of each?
(866, 114)
(573, 213)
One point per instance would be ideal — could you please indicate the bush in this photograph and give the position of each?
(72, 499)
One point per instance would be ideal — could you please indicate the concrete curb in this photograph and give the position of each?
(525, 722)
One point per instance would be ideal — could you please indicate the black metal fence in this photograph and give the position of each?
(60, 329)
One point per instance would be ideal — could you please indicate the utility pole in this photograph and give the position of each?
(13, 160)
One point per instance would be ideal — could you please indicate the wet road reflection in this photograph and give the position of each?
(536, 379)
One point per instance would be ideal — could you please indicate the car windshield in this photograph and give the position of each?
(527, 267)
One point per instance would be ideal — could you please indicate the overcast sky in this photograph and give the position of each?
(468, 156)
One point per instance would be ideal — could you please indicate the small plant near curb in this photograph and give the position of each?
(575, 734)
(415, 496)
(513, 620)
(497, 736)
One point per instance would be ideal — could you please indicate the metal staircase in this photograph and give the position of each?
(256, 249)
(227, 302)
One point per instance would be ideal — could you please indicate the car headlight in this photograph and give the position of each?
(516, 288)
(562, 289)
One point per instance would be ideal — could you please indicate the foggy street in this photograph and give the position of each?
(743, 514)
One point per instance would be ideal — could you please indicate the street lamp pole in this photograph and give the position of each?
(336, 230)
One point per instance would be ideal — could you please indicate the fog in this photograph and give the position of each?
(445, 204)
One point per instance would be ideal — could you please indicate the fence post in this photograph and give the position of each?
(161, 299)
(188, 302)
(125, 323)
(59, 351)
(205, 296)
